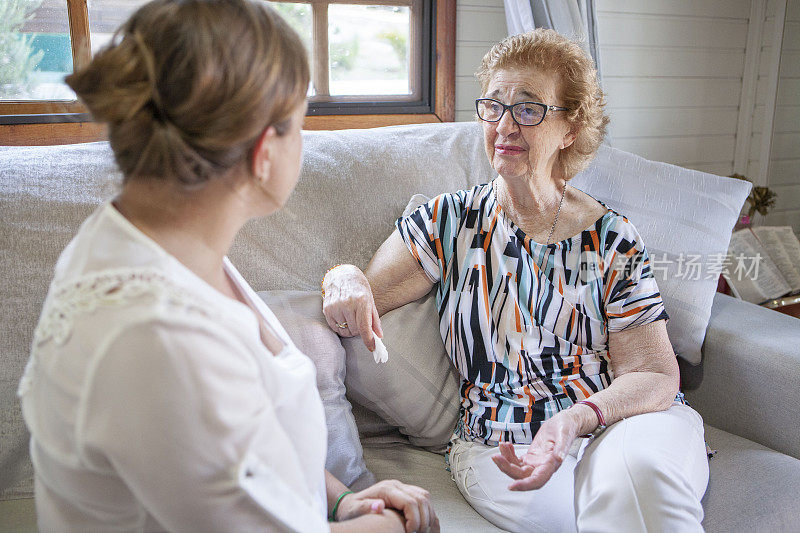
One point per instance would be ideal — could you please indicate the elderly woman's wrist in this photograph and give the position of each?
(335, 271)
(585, 418)
(343, 270)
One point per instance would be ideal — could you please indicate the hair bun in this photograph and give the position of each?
(179, 91)
(114, 86)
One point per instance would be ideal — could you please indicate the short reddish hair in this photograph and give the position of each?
(578, 86)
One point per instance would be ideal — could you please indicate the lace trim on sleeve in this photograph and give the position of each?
(109, 288)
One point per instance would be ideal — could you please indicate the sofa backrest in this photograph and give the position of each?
(353, 186)
(45, 194)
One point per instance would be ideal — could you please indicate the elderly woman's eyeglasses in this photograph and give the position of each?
(523, 113)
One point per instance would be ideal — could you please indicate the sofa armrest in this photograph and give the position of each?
(751, 374)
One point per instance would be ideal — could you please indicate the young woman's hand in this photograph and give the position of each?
(413, 502)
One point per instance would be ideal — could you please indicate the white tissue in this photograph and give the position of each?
(380, 353)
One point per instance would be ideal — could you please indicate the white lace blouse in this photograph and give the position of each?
(153, 404)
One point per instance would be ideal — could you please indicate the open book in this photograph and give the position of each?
(764, 263)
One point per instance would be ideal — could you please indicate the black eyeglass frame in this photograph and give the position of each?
(511, 107)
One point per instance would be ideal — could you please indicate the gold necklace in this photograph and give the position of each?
(563, 191)
(558, 211)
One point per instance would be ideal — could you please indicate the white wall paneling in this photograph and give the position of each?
(673, 73)
(685, 8)
(480, 24)
(778, 160)
(693, 150)
(666, 122)
(747, 101)
(785, 171)
(769, 70)
(785, 120)
(783, 145)
(642, 92)
(671, 62)
(788, 198)
(638, 29)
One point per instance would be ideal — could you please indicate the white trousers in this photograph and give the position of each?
(645, 473)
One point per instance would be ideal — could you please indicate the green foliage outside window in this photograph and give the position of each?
(399, 43)
(299, 18)
(343, 56)
(18, 55)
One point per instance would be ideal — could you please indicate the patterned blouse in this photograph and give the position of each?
(525, 324)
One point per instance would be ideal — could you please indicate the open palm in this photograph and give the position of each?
(544, 455)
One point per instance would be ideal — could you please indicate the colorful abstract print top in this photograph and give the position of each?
(525, 324)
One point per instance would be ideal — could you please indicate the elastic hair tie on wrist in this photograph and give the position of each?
(332, 517)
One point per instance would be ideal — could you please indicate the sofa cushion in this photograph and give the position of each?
(752, 366)
(680, 214)
(417, 389)
(752, 488)
(425, 469)
(300, 314)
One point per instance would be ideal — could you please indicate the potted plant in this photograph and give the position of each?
(761, 200)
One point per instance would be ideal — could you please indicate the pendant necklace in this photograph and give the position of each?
(563, 191)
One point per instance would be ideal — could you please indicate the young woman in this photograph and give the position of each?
(161, 393)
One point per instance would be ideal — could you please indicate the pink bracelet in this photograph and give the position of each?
(601, 421)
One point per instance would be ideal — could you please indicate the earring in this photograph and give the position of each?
(263, 173)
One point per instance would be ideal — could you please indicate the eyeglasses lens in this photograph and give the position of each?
(524, 113)
(528, 114)
(489, 110)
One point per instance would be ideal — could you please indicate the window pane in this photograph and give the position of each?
(35, 51)
(106, 16)
(369, 49)
(300, 17)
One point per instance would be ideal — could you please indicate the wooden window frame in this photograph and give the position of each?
(56, 122)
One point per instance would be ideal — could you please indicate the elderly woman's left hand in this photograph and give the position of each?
(550, 446)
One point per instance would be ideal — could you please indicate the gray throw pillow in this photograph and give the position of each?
(300, 313)
(417, 389)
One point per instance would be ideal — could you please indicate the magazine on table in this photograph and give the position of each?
(774, 267)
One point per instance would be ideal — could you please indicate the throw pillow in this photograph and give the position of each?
(417, 389)
(685, 218)
(300, 313)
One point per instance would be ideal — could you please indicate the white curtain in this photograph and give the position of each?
(575, 19)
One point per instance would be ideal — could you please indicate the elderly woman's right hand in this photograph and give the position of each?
(348, 304)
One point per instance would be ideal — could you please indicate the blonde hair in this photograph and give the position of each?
(578, 86)
(187, 86)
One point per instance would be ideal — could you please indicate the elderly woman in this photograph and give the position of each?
(549, 311)
(161, 393)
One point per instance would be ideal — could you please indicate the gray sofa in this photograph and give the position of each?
(354, 184)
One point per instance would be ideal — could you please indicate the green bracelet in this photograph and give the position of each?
(332, 517)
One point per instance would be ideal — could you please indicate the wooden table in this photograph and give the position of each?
(789, 305)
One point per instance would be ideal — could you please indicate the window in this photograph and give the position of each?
(35, 42)
(365, 57)
(374, 63)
